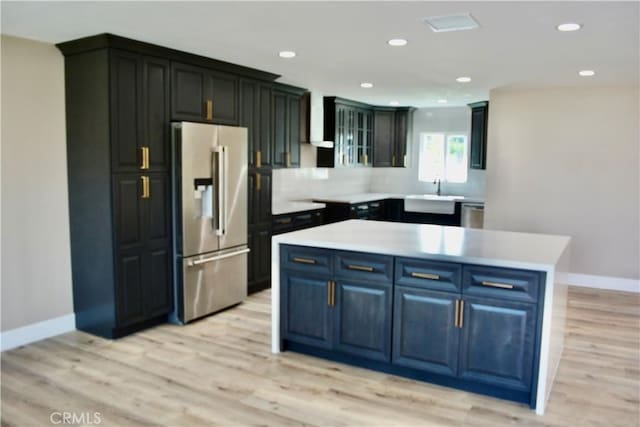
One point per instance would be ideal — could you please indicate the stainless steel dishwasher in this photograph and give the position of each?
(472, 215)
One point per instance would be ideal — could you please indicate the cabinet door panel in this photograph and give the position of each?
(155, 94)
(129, 289)
(222, 89)
(263, 260)
(280, 126)
(400, 138)
(159, 204)
(478, 153)
(383, 135)
(294, 131)
(305, 314)
(266, 126)
(188, 92)
(157, 295)
(128, 207)
(263, 213)
(497, 345)
(250, 116)
(125, 111)
(253, 253)
(363, 319)
(424, 333)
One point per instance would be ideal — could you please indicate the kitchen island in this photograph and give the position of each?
(478, 310)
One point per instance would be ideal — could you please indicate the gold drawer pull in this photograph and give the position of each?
(425, 276)
(360, 267)
(457, 313)
(209, 109)
(304, 260)
(497, 285)
(258, 158)
(461, 318)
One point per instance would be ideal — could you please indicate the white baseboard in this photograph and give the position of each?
(604, 282)
(37, 331)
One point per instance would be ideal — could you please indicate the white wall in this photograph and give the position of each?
(566, 161)
(36, 266)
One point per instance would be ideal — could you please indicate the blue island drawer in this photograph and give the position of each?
(362, 266)
(505, 283)
(303, 258)
(426, 274)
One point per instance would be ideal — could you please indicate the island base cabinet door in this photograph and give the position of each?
(363, 319)
(425, 335)
(305, 313)
(497, 346)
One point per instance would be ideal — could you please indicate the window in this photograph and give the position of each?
(443, 156)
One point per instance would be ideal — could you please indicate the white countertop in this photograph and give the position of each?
(467, 245)
(285, 207)
(370, 197)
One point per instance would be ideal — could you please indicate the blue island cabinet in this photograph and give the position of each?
(333, 300)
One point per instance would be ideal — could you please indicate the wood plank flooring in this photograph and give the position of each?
(219, 371)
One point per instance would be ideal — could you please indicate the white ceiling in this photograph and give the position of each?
(341, 44)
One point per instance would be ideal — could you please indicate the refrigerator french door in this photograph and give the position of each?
(209, 166)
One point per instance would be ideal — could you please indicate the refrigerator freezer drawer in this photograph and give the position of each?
(214, 281)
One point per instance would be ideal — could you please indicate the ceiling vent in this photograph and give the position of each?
(463, 21)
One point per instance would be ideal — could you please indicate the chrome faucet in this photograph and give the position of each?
(437, 181)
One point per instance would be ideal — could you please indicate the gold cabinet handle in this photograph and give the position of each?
(457, 313)
(329, 293)
(425, 275)
(497, 285)
(393, 160)
(461, 321)
(258, 158)
(360, 267)
(366, 160)
(288, 156)
(258, 181)
(284, 220)
(145, 158)
(333, 293)
(209, 113)
(146, 193)
(304, 260)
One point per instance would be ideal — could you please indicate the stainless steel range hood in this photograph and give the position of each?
(312, 116)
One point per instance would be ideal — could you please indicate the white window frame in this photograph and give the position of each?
(423, 176)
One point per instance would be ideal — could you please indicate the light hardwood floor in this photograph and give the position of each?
(219, 371)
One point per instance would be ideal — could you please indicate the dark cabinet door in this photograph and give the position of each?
(383, 136)
(188, 92)
(129, 211)
(158, 284)
(155, 112)
(221, 91)
(293, 159)
(126, 103)
(280, 129)
(424, 332)
(259, 188)
(305, 314)
(401, 131)
(478, 155)
(363, 319)
(157, 217)
(259, 260)
(130, 270)
(255, 115)
(497, 345)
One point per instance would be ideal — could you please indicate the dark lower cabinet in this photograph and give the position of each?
(345, 306)
(348, 316)
(307, 317)
(497, 345)
(363, 319)
(424, 330)
(285, 223)
(259, 259)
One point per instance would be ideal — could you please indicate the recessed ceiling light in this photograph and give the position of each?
(394, 103)
(366, 85)
(587, 73)
(397, 42)
(463, 79)
(569, 26)
(287, 54)
(442, 101)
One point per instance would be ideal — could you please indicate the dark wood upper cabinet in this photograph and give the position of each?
(155, 112)
(364, 135)
(479, 123)
(383, 136)
(286, 111)
(203, 95)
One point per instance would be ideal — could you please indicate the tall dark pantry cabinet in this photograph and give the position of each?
(118, 155)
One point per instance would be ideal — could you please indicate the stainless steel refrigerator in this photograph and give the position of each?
(209, 168)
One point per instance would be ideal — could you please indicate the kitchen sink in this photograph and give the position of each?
(431, 203)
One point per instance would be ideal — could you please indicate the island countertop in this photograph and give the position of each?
(489, 247)
(538, 252)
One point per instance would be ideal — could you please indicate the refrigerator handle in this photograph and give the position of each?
(220, 186)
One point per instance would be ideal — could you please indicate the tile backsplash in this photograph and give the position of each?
(309, 182)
